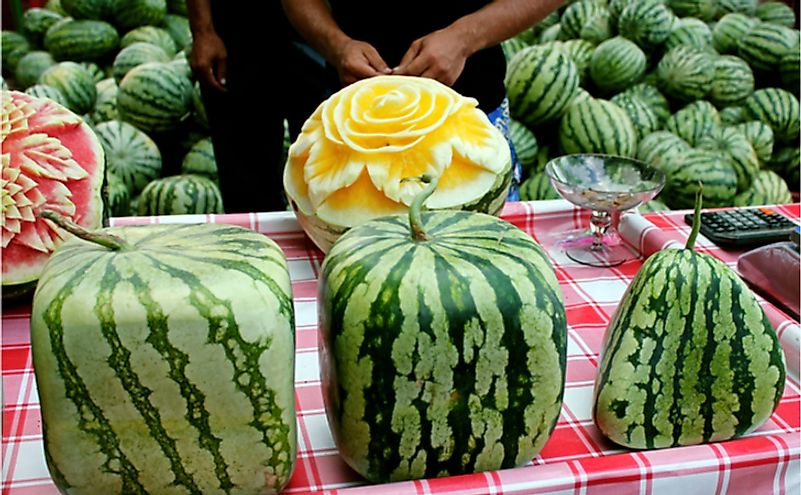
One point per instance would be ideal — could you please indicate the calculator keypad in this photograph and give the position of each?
(750, 226)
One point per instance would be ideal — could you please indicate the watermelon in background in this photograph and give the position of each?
(132, 157)
(31, 66)
(154, 97)
(200, 160)
(51, 160)
(718, 51)
(45, 91)
(36, 21)
(728, 61)
(180, 195)
(81, 40)
(74, 82)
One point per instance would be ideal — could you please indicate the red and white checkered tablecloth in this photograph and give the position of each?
(576, 459)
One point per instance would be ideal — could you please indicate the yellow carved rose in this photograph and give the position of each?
(348, 164)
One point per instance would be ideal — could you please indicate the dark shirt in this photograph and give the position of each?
(392, 27)
(258, 24)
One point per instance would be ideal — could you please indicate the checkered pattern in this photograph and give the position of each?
(576, 459)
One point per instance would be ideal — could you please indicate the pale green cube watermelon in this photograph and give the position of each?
(166, 362)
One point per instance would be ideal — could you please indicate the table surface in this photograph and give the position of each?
(576, 459)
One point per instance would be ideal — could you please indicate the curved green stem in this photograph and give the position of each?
(415, 220)
(699, 199)
(110, 241)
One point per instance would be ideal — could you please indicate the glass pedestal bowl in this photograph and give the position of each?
(606, 185)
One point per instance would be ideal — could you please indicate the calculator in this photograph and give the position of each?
(746, 227)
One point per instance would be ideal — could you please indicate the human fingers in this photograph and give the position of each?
(355, 64)
(374, 59)
(205, 62)
(414, 62)
(411, 53)
(221, 72)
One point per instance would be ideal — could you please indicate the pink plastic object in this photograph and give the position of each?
(774, 271)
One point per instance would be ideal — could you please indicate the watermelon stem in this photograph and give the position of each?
(110, 241)
(415, 220)
(699, 199)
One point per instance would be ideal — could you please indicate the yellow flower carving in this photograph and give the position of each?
(349, 163)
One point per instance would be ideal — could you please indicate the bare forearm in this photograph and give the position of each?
(199, 14)
(313, 20)
(500, 20)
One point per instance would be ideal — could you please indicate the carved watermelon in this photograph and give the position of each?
(51, 160)
(350, 162)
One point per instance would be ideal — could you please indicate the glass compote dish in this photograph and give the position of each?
(607, 185)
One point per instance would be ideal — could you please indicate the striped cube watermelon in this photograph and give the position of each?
(164, 359)
(442, 351)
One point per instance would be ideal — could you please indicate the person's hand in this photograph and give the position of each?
(440, 55)
(356, 60)
(208, 60)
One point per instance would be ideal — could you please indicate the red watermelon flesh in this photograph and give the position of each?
(51, 159)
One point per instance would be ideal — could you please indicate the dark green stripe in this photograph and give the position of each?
(591, 132)
(196, 413)
(377, 341)
(530, 106)
(223, 330)
(706, 379)
(662, 300)
(92, 420)
(454, 290)
(120, 362)
(743, 382)
(519, 383)
(559, 88)
(690, 278)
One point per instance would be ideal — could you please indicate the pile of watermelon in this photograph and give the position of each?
(122, 65)
(705, 90)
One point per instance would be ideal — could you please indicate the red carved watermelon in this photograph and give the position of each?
(51, 160)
